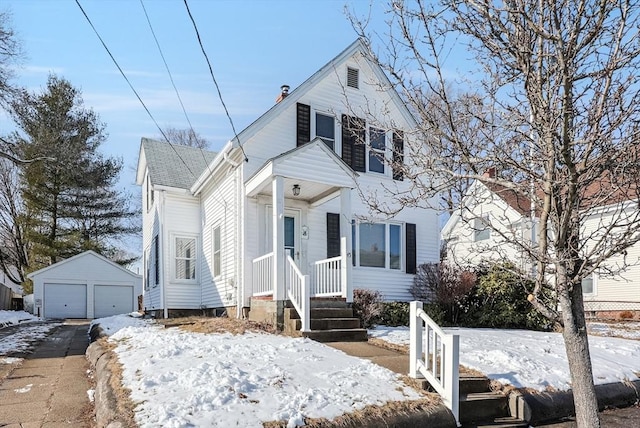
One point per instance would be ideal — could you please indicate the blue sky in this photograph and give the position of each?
(254, 47)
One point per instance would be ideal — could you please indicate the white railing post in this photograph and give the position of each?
(451, 363)
(306, 304)
(415, 335)
(344, 283)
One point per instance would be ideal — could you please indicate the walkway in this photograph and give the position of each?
(50, 388)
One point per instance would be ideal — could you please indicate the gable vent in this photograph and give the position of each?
(352, 77)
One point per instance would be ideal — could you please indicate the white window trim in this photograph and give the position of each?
(385, 152)
(387, 237)
(146, 268)
(336, 128)
(485, 218)
(213, 251)
(173, 237)
(594, 291)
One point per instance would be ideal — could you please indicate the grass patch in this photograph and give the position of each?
(207, 325)
(124, 404)
(386, 415)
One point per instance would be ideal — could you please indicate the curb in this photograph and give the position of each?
(546, 407)
(104, 398)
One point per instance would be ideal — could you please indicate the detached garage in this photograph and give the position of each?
(85, 286)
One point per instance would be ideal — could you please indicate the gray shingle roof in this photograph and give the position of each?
(174, 165)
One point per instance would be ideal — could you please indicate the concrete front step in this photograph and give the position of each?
(483, 406)
(337, 335)
(328, 303)
(472, 384)
(329, 323)
(319, 313)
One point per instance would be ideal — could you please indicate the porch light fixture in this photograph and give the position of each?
(296, 190)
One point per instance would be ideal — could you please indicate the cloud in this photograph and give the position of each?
(35, 69)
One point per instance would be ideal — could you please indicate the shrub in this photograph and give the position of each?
(445, 285)
(367, 306)
(395, 314)
(500, 301)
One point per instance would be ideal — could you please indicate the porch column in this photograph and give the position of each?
(277, 185)
(345, 231)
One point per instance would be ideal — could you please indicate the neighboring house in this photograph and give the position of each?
(495, 214)
(283, 200)
(86, 285)
(10, 293)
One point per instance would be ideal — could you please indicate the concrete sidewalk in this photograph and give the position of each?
(50, 388)
(395, 361)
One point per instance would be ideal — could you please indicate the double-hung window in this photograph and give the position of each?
(378, 245)
(326, 129)
(377, 148)
(185, 258)
(481, 230)
(587, 285)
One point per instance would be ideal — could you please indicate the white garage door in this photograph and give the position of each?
(65, 300)
(112, 300)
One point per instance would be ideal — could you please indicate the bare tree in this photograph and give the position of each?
(553, 107)
(185, 137)
(13, 246)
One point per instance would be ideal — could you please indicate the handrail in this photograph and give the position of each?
(327, 277)
(298, 291)
(439, 364)
(263, 275)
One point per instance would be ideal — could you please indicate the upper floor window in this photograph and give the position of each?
(185, 258)
(481, 230)
(377, 149)
(326, 129)
(149, 193)
(353, 77)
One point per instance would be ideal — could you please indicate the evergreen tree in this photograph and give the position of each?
(71, 203)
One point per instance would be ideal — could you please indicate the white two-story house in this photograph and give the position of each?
(281, 212)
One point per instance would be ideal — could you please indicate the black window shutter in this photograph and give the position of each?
(353, 142)
(303, 124)
(398, 155)
(410, 248)
(333, 235)
(156, 259)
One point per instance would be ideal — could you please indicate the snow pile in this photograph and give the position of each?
(192, 379)
(15, 317)
(533, 359)
(113, 324)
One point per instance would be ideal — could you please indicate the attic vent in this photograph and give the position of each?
(352, 77)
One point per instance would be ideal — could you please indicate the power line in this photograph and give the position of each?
(131, 86)
(195, 27)
(166, 66)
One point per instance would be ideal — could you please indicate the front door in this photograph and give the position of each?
(291, 233)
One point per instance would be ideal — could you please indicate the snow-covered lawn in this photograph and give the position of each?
(21, 340)
(15, 317)
(533, 359)
(181, 378)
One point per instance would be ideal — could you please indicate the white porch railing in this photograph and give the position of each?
(438, 362)
(298, 291)
(263, 275)
(327, 277)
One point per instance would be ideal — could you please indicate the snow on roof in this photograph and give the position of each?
(174, 165)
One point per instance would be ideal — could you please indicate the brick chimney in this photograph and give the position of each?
(283, 94)
(490, 172)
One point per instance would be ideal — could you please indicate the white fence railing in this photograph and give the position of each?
(263, 275)
(438, 361)
(298, 291)
(327, 276)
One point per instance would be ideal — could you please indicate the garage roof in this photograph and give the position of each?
(88, 253)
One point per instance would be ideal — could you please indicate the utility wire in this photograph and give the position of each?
(195, 27)
(131, 86)
(166, 66)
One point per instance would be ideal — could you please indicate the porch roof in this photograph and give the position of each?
(314, 167)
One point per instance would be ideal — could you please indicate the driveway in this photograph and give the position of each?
(49, 389)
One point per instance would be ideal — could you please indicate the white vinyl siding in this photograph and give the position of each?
(217, 248)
